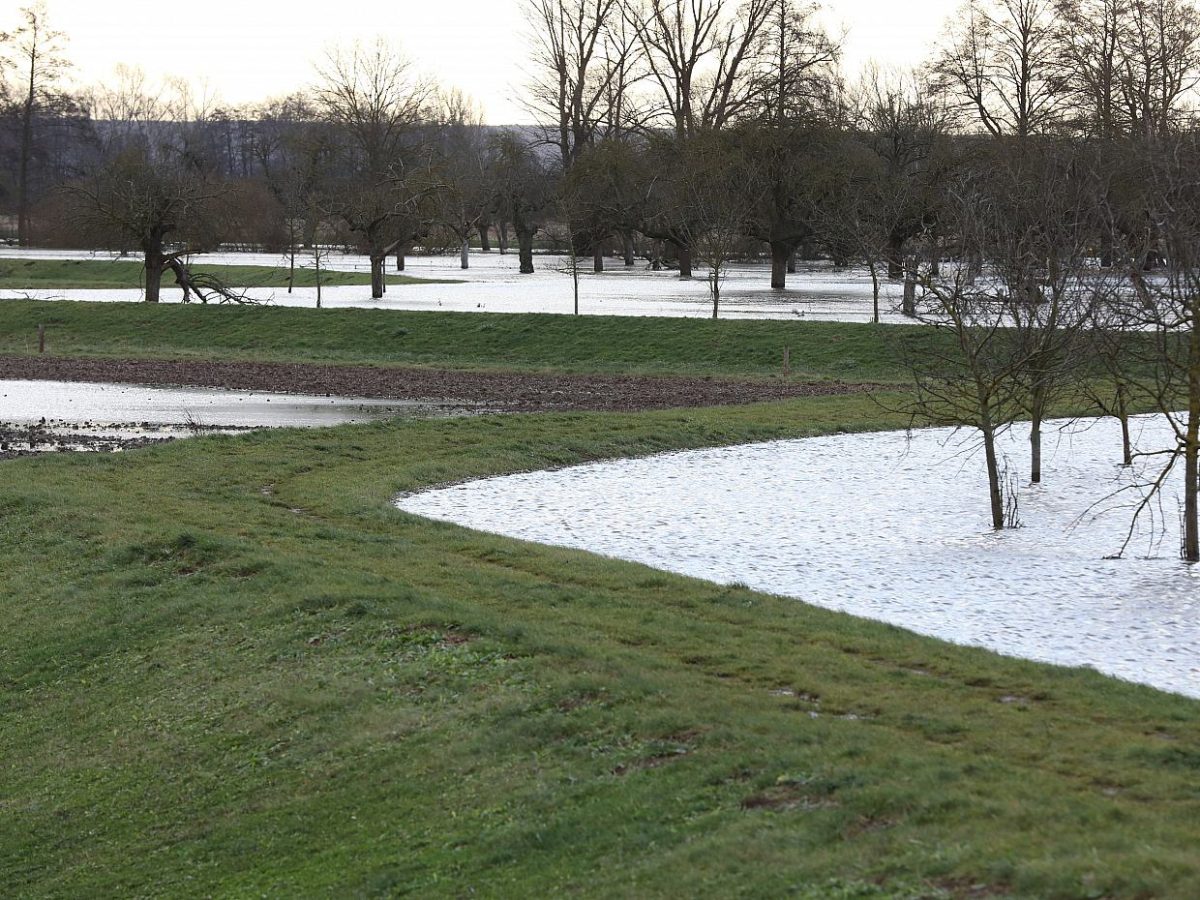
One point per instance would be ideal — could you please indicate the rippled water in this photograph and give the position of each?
(896, 529)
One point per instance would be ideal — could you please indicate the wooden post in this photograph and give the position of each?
(41, 339)
(787, 360)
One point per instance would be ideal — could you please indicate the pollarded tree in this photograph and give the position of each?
(165, 207)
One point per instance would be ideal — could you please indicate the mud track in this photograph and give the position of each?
(503, 391)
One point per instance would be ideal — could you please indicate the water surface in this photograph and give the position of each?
(893, 527)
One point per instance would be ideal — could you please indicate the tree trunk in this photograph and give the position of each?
(525, 249)
(485, 237)
(155, 265)
(685, 261)
(1191, 452)
(993, 470)
(910, 295)
(502, 232)
(465, 252)
(874, 290)
(401, 252)
(791, 264)
(1035, 449)
(1123, 415)
(630, 251)
(1038, 401)
(378, 284)
(780, 253)
(598, 258)
(895, 260)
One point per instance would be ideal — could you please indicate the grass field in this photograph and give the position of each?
(458, 340)
(44, 274)
(231, 667)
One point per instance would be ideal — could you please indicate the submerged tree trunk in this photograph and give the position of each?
(525, 249)
(1191, 451)
(874, 290)
(1035, 450)
(485, 237)
(780, 254)
(1123, 416)
(465, 252)
(598, 258)
(628, 248)
(401, 252)
(993, 471)
(685, 261)
(909, 307)
(791, 265)
(502, 234)
(895, 259)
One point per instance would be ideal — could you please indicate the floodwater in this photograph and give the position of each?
(895, 527)
(129, 410)
(493, 284)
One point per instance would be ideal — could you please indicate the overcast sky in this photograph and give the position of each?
(248, 50)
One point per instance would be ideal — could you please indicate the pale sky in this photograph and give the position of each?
(248, 50)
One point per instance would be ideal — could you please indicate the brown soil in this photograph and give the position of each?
(507, 391)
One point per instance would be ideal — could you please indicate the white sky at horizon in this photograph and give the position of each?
(243, 51)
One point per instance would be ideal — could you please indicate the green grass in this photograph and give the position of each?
(461, 340)
(46, 274)
(229, 667)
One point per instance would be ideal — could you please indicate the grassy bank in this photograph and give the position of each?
(50, 274)
(230, 667)
(458, 340)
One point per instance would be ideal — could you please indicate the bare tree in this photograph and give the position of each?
(167, 208)
(701, 55)
(35, 53)
(379, 107)
(999, 59)
(1169, 311)
(579, 56)
(1130, 64)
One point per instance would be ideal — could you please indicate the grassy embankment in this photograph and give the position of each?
(457, 340)
(230, 667)
(46, 274)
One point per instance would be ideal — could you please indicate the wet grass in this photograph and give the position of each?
(460, 340)
(230, 667)
(18, 275)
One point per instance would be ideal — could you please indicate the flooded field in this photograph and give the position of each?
(493, 284)
(893, 527)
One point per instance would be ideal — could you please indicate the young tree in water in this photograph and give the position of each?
(969, 378)
(1170, 312)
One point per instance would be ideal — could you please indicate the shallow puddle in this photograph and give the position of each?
(129, 409)
(893, 527)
